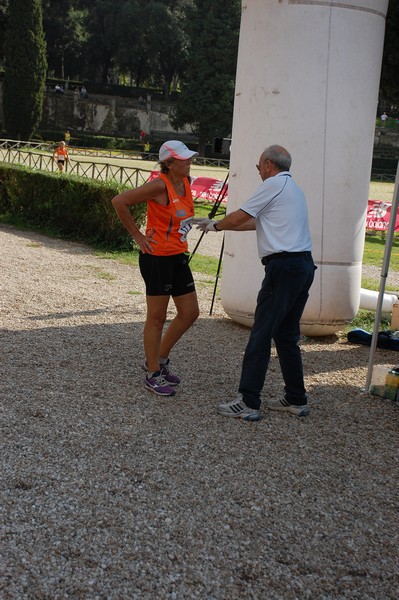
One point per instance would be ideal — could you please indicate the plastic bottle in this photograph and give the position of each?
(392, 384)
(379, 375)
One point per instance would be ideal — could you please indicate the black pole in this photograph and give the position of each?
(217, 276)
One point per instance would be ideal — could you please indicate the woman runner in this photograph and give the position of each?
(163, 259)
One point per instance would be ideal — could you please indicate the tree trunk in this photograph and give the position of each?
(201, 147)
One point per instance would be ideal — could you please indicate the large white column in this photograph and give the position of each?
(308, 76)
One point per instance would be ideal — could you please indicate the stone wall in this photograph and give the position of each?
(387, 137)
(126, 117)
(105, 115)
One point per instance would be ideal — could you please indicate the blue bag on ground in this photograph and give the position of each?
(387, 340)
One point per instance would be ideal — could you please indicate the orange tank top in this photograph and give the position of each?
(62, 153)
(169, 225)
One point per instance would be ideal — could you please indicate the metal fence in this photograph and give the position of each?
(132, 176)
(33, 155)
(105, 153)
(38, 155)
(40, 145)
(383, 177)
(138, 155)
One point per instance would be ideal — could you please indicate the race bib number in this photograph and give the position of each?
(185, 227)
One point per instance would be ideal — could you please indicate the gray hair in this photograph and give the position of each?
(279, 156)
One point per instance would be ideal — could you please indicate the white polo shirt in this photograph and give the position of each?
(281, 213)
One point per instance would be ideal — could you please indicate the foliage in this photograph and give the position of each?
(135, 53)
(66, 36)
(144, 39)
(170, 40)
(3, 23)
(87, 140)
(207, 96)
(104, 39)
(71, 206)
(365, 320)
(25, 68)
(389, 87)
(390, 123)
(153, 40)
(187, 45)
(102, 24)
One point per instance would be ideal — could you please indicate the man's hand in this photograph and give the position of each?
(205, 225)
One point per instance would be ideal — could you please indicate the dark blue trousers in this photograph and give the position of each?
(280, 304)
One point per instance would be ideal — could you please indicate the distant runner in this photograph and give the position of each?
(62, 156)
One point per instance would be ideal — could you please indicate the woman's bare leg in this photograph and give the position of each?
(187, 312)
(156, 317)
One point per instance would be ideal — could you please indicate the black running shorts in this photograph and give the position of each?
(166, 275)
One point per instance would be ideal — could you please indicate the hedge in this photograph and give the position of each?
(70, 206)
(83, 140)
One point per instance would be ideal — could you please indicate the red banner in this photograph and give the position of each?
(203, 188)
(207, 188)
(378, 215)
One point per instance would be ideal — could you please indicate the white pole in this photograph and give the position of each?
(384, 275)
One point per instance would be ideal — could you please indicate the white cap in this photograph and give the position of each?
(175, 149)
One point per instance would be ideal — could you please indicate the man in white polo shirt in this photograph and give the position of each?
(278, 212)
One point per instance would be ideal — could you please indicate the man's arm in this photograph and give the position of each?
(237, 220)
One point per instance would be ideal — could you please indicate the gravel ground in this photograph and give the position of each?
(110, 492)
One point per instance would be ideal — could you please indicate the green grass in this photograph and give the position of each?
(207, 265)
(365, 320)
(202, 209)
(373, 254)
(105, 275)
(374, 284)
(130, 257)
(19, 223)
(374, 248)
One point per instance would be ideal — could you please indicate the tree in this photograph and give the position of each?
(207, 96)
(389, 88)
(153, 41)
(170, 40)
(135, 53)
(103, 43)
(66, 33)
(3, 23)
(25, 68)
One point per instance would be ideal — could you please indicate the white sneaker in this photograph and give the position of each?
(238, 409)
(283, 406)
